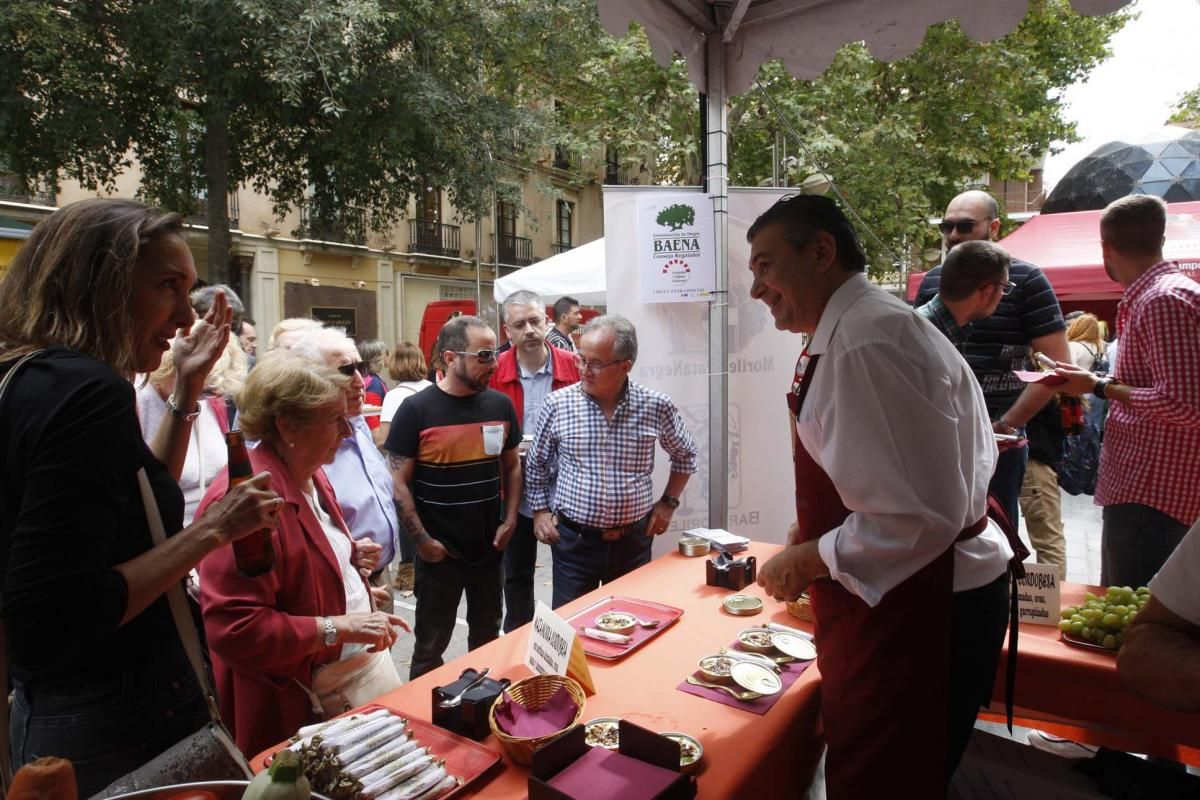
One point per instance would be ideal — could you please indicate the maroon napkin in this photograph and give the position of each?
(554, 715)
(601, 773)
(791, 672)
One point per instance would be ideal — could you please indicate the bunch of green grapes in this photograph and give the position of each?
(1102, 620)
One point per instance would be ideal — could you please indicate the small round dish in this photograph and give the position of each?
(742, 605)
(756, 640)
(691, 546)
(616, 622)
(795, 646)
(717, 669)
(603, 732)
(756, 677)
(690, 750)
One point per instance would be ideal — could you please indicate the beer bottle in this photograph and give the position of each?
(253, 554)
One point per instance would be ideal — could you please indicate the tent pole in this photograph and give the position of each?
(716, 171)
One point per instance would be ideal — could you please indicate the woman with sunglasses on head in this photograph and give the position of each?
(303, 641)
(94, 296)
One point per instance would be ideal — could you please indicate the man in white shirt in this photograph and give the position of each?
(893, 455)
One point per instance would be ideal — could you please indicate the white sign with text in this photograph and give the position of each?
(676, 259)
(1039, 596)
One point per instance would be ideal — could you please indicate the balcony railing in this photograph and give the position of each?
(12, 190)
(347, 226)
(431, 236)
(561, 247)
(618, 175)
(515, 250)
(564, 159)
(198, 213)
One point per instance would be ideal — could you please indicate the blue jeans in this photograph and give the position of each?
(584, 561)
(1135, 541)
(520, 561)
(1007, 480)
(439, 587)
(107, 725)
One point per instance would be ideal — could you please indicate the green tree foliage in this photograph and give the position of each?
(676, 217)
(1187, 110)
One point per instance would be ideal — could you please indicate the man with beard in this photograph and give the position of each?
(892, 454)
(1028, 316)
(567, 317)
(527, 373)
(452, 449)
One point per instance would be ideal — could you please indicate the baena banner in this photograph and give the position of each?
(675, 257)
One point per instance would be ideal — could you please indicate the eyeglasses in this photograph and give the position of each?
(963, 226)
(595, 366)
(1006, 287)
(349, 369)
(484, 356)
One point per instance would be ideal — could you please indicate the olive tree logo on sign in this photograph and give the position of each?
(675, 247)
(676, 217)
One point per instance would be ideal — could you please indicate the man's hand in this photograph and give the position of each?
(545, 527)
(660, 519)
(382, 594)
(1079, 381)
(790, 571)
(793, 533)
(430, 549)
(504, 533)
(366, 554)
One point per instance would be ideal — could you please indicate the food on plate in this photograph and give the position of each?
(1103, 620)
(756, 640)
(282, 781)
(604, 733)
(716, 665)
(615, 622)
(690, 750)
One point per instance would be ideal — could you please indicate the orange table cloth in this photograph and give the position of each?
(745, 755)
(1076, 693)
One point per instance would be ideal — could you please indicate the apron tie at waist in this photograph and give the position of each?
(973, 530)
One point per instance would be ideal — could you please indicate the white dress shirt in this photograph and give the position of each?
(897, 420)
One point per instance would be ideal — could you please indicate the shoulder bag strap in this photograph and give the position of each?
(187, 630)
(5, 763)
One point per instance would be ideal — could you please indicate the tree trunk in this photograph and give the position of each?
(216, 168)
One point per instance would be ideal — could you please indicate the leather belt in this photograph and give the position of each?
(605, 534)
(973, 530)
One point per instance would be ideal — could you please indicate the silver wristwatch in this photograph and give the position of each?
(177, 412)
(330, 632)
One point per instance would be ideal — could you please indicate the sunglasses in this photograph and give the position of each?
(483, 356)
(963, 226)
(349, 369)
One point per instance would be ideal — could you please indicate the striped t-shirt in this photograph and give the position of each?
(996, 346)
(457, 442)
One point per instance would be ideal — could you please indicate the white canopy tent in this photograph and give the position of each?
(579, 272)
(725, 42)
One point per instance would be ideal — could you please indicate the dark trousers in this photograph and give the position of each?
(583, 561)
(1007, 480)
(979, 622)
(439, 587)
(1135, 541)
(520, 560)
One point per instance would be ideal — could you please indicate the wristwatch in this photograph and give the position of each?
(673, 502)
(177, 412)
(330, 632)
(1100, 390)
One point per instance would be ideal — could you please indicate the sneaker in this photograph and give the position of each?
(1060, 747)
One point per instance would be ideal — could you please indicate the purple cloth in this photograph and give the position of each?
(552, 716)
(601, 773)
(791, 673)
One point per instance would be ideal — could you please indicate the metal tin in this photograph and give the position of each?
(682, 738)
(798, 647)
(755, 677)
(602, 723)
(694, 546)
(715, 677)
(763, 633)
(742, 605)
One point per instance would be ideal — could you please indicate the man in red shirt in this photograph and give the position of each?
(527, 372)
(1149, 479)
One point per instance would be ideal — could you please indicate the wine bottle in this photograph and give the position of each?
(253, 554)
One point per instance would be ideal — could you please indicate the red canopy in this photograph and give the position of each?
(1067, 248)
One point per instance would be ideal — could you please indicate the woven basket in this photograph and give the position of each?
(533, 693)
(801, 608)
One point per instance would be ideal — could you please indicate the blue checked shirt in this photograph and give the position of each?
(602, 468)
(363, 485)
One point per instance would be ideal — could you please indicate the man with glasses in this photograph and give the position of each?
(359, 473)
(1028, 316)
(527, 374)
(589, 469)
(452, 450)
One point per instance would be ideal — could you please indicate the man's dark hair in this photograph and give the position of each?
(454, 334)
(970, 265)
(1135, 225)
(802, 215)
(563, 306)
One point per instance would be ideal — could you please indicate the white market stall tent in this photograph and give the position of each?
(579, 272)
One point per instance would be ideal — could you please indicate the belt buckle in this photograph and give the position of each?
(611, 534)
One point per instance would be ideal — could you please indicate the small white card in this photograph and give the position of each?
(554, 648)
(721, 537)
(1039, 595)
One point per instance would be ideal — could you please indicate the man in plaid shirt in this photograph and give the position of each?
(588, 471)
(1149, 479)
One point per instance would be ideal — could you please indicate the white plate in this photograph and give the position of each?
(795, 646)
(755, 677)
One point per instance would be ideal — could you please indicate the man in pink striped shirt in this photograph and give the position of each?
(1149, 481)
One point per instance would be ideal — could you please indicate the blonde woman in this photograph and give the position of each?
(1085, 341)
(206, 453)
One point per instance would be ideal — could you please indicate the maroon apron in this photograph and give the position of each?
(885, 671)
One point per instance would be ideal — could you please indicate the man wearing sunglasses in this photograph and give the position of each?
(1028, 316)
(590, 466)
(452, 449)
(527, 373)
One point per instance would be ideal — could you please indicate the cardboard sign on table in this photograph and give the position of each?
(554, 649)
(1039, 595)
